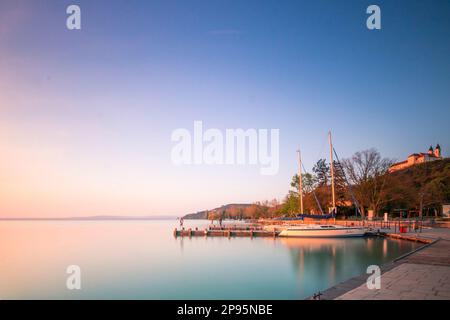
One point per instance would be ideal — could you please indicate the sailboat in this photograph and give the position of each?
(321, 230)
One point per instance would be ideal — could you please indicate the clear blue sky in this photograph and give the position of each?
(86, 116)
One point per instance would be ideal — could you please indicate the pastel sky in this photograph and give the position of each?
(86, 116)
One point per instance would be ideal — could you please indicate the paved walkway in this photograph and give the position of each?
(408, 281)
(422, 275)
(436, 233)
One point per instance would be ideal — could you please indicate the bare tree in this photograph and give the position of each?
(366, 171)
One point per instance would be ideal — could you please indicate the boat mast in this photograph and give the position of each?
(332, 171)
(300, 182)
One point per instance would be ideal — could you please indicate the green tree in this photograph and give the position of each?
(322, 172)
(340, 183)
(308, 180)
(290, 205)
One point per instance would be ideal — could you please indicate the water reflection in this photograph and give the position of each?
(334, 260)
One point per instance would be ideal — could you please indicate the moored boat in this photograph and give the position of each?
(323, 231)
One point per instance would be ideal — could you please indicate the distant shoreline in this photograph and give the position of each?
(94, 218)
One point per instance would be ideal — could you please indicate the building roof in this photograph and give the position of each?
(397, 163)
(422, 154)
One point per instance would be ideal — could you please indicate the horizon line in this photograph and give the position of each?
(92, 218)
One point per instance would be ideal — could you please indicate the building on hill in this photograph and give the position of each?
(417, 158)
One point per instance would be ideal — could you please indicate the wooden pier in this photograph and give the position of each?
(225, 232)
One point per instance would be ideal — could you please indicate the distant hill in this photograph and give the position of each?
(428, 183)
(420, 174)
(227, 208)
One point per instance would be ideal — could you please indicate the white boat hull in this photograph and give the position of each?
(320, 231)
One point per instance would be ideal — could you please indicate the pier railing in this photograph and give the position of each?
(396, 226)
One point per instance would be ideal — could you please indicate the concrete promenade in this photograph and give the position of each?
(422, 275)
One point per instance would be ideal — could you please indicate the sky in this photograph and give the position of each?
(86, 116)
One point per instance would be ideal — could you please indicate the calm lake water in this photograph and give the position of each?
(142, 260)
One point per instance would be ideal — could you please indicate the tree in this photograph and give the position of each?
(308, 181)
(340, 182)
(233, 213)
(420, 188)
(290, 204)
(366, 171)
(322, 172)
(273, 209)
(432, 187)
